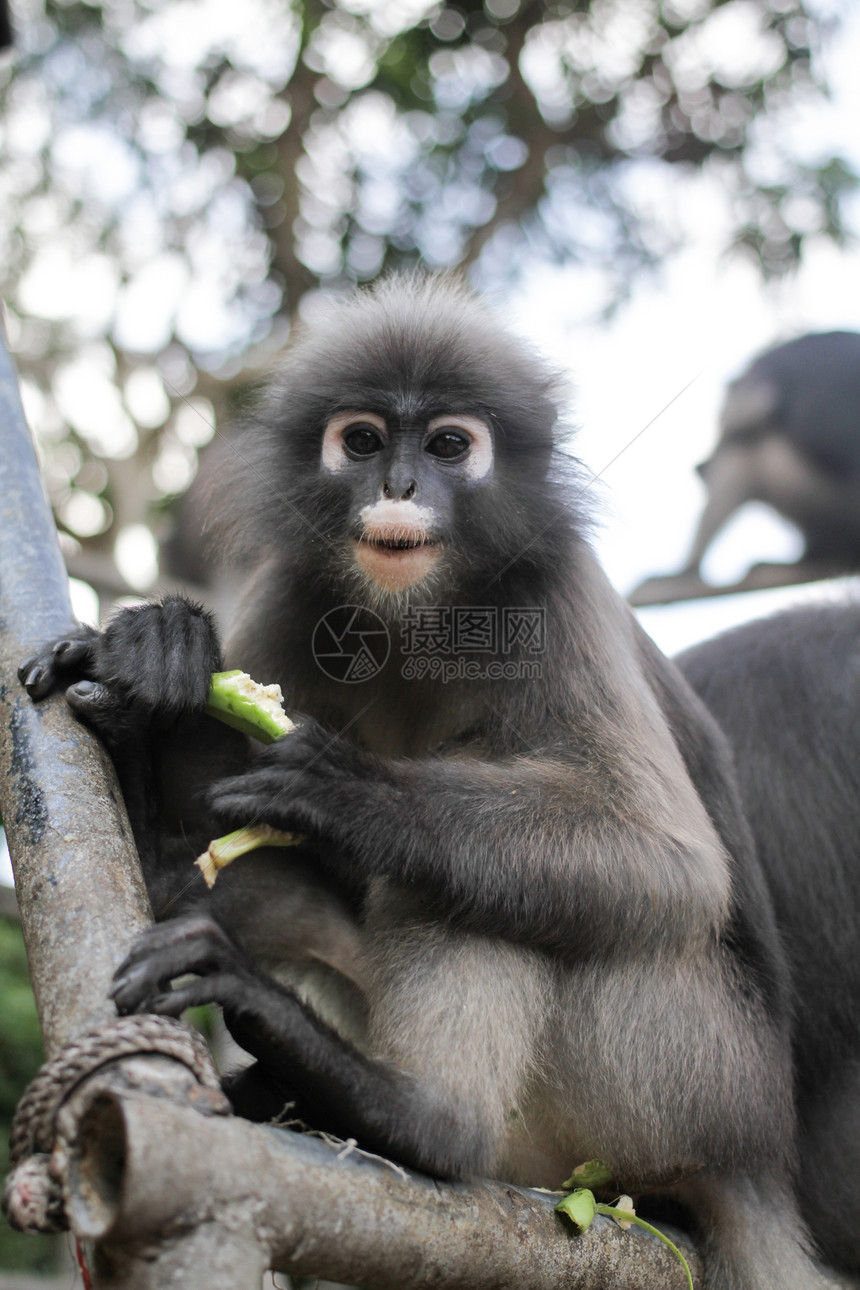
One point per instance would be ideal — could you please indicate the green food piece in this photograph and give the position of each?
(255, 710)
(232, 699)
(225, 850)
(580, 1206)
(594, 1173)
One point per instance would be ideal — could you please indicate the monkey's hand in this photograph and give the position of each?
(139, 685)
(154, 661)
(196, 944)
(307, 783)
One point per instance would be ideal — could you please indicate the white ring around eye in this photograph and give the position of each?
(479, 462)
(334, 457)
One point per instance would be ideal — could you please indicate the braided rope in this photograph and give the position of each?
(33, 1126)
(32, 1196)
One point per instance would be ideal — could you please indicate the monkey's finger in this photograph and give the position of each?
(165, 935)
(267, 783)
(142, 989)
(153, 976)
(131, 991)
(219, 988)
(102, 709)
(193, 945)
(56, 661)
(170, 1004)
(267, 806)
(298, 816)
(260, 779)
(314, 750)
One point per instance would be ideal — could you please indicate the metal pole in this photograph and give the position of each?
(80, 890)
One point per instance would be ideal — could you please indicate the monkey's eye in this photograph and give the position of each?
(362, 441)
(449, 445)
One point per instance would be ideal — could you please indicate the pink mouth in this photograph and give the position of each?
(394, 561)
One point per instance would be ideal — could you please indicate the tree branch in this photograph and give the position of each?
(143, 1167)
(68, 833)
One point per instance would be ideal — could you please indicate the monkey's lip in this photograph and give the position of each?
(396, 563)
(395, 545)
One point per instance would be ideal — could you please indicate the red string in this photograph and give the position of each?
(82, 1266)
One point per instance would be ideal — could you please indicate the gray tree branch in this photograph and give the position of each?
(314, 1209)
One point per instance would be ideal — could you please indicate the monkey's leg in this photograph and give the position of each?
(279, 907)
(438, 1117)
(729, 479)
(751, 1234)
(470, 1018)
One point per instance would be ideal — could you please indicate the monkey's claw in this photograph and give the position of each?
(163, 954)
(56, 663)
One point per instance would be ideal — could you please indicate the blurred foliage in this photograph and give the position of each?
(20, 1058)
(180, 176)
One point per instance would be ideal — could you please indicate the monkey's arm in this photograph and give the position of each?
(559, 855)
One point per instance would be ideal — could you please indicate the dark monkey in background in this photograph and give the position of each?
(790, 436)
(528, 927)
(787, 691)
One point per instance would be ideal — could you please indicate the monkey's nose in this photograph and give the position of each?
(402, 494)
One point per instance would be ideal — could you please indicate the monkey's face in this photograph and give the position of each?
(403, 473)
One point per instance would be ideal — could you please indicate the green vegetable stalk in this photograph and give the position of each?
(256, 711)
(224, 851)
(248, 706)
(580, 1206)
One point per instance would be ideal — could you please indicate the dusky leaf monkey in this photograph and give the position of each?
(528, 926)
(790, 437)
